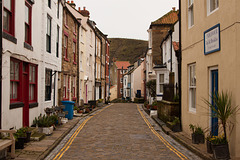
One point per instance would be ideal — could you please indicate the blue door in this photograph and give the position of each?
(214, 90)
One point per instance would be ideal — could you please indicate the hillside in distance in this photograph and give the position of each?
(127, 49)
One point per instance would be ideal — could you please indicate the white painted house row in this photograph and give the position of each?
(31, 59)
(170, 63)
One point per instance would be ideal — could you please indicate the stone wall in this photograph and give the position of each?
(167, 110)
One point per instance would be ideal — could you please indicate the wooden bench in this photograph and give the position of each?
(4, 143)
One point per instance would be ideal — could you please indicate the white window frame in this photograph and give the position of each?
(161, 83)
(190, 13)
(192, 87)
(209, 12)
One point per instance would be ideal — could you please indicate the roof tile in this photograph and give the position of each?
(121, 64)
(169, 18)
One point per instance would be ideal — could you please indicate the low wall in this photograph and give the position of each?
(166, 110)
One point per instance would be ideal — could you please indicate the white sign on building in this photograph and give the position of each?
(212, 39)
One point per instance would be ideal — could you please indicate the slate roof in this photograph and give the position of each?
(169, 18)
(121, 64)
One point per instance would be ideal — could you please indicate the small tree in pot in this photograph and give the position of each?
(222, 109)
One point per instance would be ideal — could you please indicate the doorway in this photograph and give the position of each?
(214, 91)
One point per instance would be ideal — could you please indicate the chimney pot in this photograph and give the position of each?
(79, 9)
(84, 8)
(67, 1)
(173, 8)
(72, 2)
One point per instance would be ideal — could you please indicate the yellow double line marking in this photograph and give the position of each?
(69, 142)
(168, 145)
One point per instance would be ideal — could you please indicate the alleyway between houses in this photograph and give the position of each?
(119, 131)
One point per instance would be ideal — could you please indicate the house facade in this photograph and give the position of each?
(210, 63)
(30, 59)
(98, 84)
(68, 90)
(169, 48)
(156, 33)
(121, 69)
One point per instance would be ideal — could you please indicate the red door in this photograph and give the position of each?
(25, 96)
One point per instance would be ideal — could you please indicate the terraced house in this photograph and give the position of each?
(31, 59)
(156, 33)
(210, 63)
(68, 90)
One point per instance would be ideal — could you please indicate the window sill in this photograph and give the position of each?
(33, 105)
(66, 26)
(28, 46)
(9, 37)
(15, 105)
(74, 98)
(74, 33)
(65, 99)
(75, 63)
(65, 59)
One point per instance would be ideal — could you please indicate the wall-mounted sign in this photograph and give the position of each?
(212, 39)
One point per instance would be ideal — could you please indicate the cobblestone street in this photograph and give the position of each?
(119, 131)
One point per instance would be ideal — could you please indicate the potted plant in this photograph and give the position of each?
(208, 143)
(222, 109)
(44, 124)
(154, 105)
(175, 125)
(197, 134)
(20, 137)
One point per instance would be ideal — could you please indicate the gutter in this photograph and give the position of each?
(1, 47)
(180, 64)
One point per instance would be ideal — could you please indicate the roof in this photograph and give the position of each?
(169, 18)
(176, 46)
(121, 64)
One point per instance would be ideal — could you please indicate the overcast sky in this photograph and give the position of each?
(126, 18)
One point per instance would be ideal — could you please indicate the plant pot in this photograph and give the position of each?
(28, 137)
(19, 144)
(194, 138)
(46, 130)
(209, 147)
(220, 151)
(176, 128)
(200, 138)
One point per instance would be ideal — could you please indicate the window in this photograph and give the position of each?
(57, 42)
(121, 80)
(81, 57)
(192, 87)
(74, 52)
(190, 13)
(14, 81)
(48, 39)
(49, 3)
(65, 47)
(8, 16)
(58, 5)
(28, 22)
(66, 87)
(74, 88)
(212, 5)
(161, 83)
(32, 83)
(121, 91)
(48, 84)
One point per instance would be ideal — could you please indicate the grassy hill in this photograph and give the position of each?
(127, 49)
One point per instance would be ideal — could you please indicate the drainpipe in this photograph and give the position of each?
(1, 66)
(170, 34)
(180, 64)
(122, 82)
(95, 67)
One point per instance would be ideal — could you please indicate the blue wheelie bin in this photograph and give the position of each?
(68, 107)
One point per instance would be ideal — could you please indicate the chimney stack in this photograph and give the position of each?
(173, 8)
(72, 4)
(79, 9)
(84, 12)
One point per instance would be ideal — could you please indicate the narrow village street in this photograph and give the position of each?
(119, 131)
